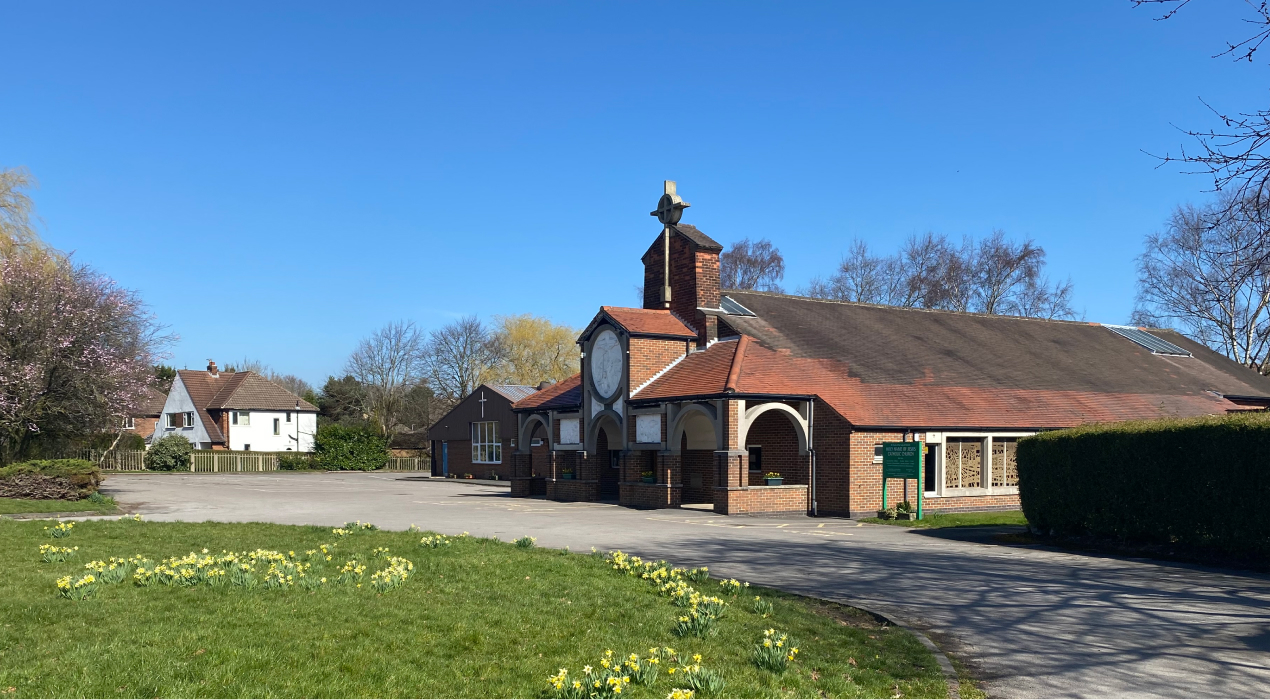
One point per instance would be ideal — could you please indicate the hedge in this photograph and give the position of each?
(1200, 482)
(345, 447)
(44, 479)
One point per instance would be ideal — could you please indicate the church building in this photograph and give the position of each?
(700, 394)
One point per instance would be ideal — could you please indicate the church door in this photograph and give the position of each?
(607, 463)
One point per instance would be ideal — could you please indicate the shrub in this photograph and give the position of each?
(169, 453)
(45, 479)
(350, 448)
(296, 461)
(526, 542)
(1198, 482)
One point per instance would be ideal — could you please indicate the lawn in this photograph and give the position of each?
(101, 504)
(477, 618)
(1003, 517)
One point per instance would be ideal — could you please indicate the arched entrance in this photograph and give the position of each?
(539, 459)
(606, 461)
(696, 450)
(774, 445)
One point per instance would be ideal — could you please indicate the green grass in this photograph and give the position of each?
(480, 618)
(1003, 517)
(102, 504)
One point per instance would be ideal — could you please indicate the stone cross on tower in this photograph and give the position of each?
(670, 208)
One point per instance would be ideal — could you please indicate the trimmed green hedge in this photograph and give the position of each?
(350, 448)
(1201, 482)
(44, 479)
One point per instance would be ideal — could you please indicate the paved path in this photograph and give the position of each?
(1031, 622)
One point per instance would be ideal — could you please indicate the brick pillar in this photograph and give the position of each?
(522, 474)
(731, 470)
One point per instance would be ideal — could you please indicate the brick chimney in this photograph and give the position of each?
(694, 270)
(211, 369)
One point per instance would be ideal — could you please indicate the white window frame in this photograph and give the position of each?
(277, 426)
(288, 416)
(129, 423)
(240, 418)
(986, 473)
(168, 421)
(487, 447)
(189, 420)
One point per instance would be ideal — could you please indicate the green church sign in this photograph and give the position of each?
(903, 460)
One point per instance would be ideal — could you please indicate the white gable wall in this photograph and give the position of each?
(259, 435)
(179, 401)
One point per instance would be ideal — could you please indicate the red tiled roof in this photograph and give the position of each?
(248, 390)
(659, 322)
(744, 367)
(153, 403)
(566, 393)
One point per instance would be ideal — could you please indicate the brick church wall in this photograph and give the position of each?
(648, 356)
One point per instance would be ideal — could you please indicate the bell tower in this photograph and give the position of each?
(681, 268)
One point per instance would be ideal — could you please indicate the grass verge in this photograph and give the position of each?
(100, 504)
(1003, 517)
(478, 618)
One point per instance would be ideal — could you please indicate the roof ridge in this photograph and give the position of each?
(868, 305)
(738, 356)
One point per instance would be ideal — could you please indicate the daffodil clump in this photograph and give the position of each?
(82, 589)
(115, 569)
(60, 530)
(762, 607)
(341, 532)
(393, 576)
(324, 552)
(352, 572)
(379, 553)
(526, 542)
(135, 518)
(53, 554)
(775, 651)
(703, 611)
(692, 674)
(434, 541)
(610, 678)
(680, 694)
(732, 586)
(359, 526)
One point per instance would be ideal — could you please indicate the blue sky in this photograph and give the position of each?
(279, 181)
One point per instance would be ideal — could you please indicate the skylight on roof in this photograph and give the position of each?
(734, 308)
(1157, 345)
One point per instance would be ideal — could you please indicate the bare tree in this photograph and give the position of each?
(1208, 271)
(1234, 155)
(758, 265)
(388, 364)
(290, 382)
(459, 357)
(994, 276)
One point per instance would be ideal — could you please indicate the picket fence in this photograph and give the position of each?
(218, 461)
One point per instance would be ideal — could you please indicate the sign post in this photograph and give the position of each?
(903, 460)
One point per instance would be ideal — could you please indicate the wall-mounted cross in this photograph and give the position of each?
(482, 400)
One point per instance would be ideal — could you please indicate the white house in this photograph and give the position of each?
(236, 411)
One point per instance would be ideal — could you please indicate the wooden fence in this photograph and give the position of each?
(409, 464)
(117, 460)
(217, 461)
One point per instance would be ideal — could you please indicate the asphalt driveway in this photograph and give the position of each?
(1031, 622)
